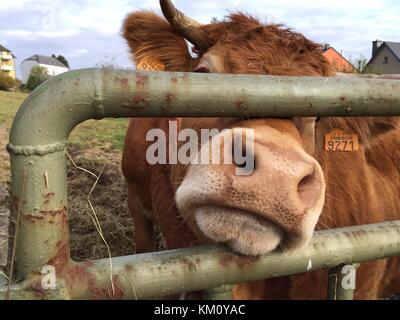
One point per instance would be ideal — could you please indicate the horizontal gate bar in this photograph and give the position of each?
(152, 275)
(61, 103)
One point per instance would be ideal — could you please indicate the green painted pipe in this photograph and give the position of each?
(150, 275)
(44, 121)
(163, 273)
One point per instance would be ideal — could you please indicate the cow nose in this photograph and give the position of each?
(309, 188)
(271, 194)
(289, 180)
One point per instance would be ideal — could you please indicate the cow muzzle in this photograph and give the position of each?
(276, 205)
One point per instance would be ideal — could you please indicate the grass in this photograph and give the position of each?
(104, 133)
(109, 133)
(9, 104)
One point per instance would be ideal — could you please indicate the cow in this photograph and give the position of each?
(296, 186)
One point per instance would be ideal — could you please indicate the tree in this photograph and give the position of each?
(37, 76)
(108, 63)
(361, 64)
(6, 82)
(62, 59)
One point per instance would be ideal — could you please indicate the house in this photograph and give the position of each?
(7, 62)
(385, 57)
(339, 63)
(53, 66)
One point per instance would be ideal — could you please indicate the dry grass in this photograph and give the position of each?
(109, 201)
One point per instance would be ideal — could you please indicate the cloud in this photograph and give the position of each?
(35, 35)
(78, 53)
(87, 32)
(9, 6)
(349, 26)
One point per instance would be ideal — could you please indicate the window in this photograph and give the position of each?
(385, 60)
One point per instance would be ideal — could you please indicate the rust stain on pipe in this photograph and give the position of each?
(61, 259)
(141, 81)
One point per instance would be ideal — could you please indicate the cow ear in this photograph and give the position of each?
(306, 127)
(151, 37)
(381, 125)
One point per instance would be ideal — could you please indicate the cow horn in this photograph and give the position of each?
(185, 26)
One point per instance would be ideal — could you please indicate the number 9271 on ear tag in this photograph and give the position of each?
(339, 140)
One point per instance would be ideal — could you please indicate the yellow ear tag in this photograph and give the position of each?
(150, 64)
(339, 140)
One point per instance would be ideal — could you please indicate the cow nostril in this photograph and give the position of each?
(309, 189)
(202, 69)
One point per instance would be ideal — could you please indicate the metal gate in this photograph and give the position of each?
(39, 180)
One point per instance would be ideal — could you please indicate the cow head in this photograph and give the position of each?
(279, 203)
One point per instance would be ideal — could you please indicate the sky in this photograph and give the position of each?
(87, 32)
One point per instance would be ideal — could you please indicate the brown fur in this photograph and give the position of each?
(161, 43)
(362, 187)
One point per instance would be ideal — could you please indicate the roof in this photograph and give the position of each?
(4, 49)
(394, 47)
(50, 61)
(326, 49)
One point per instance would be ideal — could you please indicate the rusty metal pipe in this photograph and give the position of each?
(150, 275)
(145, 276)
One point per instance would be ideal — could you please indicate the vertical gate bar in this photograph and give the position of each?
(332, 282)
(336, 278)
(219, 293)
(39, 191)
